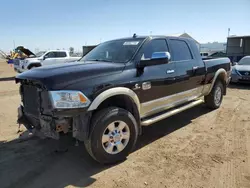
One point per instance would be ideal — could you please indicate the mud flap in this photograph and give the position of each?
(81, 126)
(22, 119)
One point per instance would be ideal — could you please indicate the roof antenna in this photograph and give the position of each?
(134, 36)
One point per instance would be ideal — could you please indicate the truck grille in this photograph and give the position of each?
(30, 97)
(245, 73)
(16, 62)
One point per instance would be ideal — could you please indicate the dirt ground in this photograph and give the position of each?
(197, 148)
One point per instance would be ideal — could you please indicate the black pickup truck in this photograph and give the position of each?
(121, 85)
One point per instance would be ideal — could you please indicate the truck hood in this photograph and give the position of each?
(56, 77)
(26, 51)
(242, 67)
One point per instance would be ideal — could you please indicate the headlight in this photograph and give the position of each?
(69, 99)
(234, 71)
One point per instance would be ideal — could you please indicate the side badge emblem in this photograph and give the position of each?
(137, 86)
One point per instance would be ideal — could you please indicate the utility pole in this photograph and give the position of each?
(228, 32)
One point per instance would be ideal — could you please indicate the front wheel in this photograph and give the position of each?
(214, 99)
(113, 135)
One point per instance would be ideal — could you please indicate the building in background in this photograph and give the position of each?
(212, 47)
(186, 36)
(238, 47)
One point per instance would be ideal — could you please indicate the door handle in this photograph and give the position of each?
(170, 71)
(196, 67)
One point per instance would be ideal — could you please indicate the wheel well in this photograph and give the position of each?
(125, 102)
(34, 65)
(222, 78)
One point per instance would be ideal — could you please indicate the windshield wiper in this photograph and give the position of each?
(104, 60)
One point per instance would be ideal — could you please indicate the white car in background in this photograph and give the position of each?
(43, 58)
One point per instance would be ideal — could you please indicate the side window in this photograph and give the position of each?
(180, 50)
(61, 54)
(50, 55)
(157, 45)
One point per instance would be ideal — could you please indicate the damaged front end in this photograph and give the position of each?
(38, 114)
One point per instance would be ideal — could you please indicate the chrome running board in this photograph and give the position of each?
(177, 110)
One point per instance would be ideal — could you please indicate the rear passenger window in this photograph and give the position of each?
(180, 50)
(157, 45)
(61, 54)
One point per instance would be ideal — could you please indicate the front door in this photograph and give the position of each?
(50, 58)
(156, 82)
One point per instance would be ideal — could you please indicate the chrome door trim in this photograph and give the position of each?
(164, 103)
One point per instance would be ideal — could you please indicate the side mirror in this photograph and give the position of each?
(234, 63)
(161, 55)
(157, 58)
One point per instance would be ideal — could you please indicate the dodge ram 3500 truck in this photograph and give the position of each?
(121, 85)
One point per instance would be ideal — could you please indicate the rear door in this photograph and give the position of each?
(61, 57)
(156, 81)
(189, 70)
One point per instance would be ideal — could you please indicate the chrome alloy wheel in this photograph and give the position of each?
(217, 96)
(115, 137)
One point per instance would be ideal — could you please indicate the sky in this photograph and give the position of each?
(58, 24)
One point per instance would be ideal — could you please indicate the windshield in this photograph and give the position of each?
(118, 51)
(38, 54)
(244, 61)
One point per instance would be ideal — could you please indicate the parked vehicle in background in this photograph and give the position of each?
(19, 53)
(218, 54)
(238, 47)
(44, 58)
(241, 71)
(204, 54)
(212, 55)
(106, 97)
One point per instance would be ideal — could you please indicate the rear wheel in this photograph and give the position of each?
(113, 135)
(214, 99)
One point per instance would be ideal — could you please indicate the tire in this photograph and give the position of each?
(102, 124)
(214, 99)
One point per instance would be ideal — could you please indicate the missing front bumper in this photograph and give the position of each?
(52, 127)
(44, 126)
